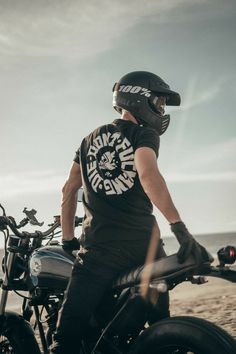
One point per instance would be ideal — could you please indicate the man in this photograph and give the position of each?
(117, 166)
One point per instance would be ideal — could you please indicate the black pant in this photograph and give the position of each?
(93, 272)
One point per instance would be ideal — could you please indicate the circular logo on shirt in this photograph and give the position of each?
(110, 164)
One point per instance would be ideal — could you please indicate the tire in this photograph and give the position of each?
(184, 335)
(16, 336)
(12, 344)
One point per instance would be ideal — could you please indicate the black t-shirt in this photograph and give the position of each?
(116, 206)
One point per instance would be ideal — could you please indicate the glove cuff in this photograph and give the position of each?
(177, 223)
(72, 244)
(178, 226)
(65, 241)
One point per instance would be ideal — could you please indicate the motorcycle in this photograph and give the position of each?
(35, 263)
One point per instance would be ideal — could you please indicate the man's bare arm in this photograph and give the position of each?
(154, 184)
(69, 201)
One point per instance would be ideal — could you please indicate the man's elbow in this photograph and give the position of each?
(70, 188)
(151, 181)
(64, 188)
(146, 181)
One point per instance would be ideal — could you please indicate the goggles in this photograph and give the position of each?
(158, 104)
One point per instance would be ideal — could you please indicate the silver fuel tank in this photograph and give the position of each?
(50, 267)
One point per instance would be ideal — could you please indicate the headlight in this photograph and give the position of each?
(35, 266)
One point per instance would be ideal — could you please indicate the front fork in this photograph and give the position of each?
(8, 265)
(5, 282)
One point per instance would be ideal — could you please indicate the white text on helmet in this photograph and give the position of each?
(135, 89)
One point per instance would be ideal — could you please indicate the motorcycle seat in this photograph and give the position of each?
(162, 269)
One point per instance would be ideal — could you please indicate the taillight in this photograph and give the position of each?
(227, 255)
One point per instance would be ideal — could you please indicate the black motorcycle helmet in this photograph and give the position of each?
(138, 93)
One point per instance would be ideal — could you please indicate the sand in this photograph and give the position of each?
(214, 301)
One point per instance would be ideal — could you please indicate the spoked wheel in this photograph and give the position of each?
(16, 335)
(7, 346)
(184, 335)
(12, 343)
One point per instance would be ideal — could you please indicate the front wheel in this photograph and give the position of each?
(16, 335)
(184, 335)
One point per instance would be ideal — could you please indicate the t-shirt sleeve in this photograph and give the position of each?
(77, 156)
(148, 138)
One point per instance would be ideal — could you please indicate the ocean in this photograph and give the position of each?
(212, 242)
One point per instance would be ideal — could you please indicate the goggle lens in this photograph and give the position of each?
(159, 103)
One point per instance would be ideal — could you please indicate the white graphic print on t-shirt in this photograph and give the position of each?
(110, 164)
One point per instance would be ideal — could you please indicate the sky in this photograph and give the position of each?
(59, 60)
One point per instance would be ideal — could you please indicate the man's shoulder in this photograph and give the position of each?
(99, 131)
(148, 131)
(102, 128)
(148, 137)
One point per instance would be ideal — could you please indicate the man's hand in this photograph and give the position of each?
(188, 245)
(70, 245)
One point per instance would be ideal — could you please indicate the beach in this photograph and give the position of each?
(213, 301)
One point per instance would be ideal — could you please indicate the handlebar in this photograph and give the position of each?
(9, 221)
(30, 217)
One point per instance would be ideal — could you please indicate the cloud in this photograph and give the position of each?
(198, 93)
(72, 29)
(208, 10)
(35, 182)
(221, 154)
(199, 97)
(227, 176)
(215, 162)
